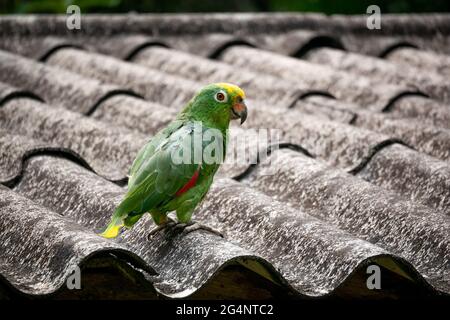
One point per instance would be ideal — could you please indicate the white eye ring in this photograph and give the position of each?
(221, 96)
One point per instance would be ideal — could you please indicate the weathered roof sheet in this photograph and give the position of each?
(360, 176)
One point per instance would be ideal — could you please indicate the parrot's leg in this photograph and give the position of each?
(184, 215)
(159, 217)
(161, 220)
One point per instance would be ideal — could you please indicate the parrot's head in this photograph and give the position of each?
(218, 103)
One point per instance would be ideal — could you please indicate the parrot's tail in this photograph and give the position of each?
(113, 229)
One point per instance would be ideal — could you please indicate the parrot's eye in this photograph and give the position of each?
(220, 96)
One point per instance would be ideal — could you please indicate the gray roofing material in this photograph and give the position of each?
(437, 63)
(340, 144)
(87, 199)
(398, 31)
(222, 71)
(151, 84)
(53, 85)
(108, 150)
(8, 92)
(35, 46)
(297, 43)
(340, 85)
(433, 85)
(356, 180)
(189, 66)
(165, 24)
(431, 137)
(301, 232)
(39, 249)
(421, 25)
(409, 173)
(374, 45)
(375, 97)
(349, 203)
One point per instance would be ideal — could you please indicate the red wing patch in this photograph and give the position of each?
(190, 184)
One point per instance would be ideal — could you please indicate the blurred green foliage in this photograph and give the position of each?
(325, 6)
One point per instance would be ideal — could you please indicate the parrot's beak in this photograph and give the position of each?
(239, 111)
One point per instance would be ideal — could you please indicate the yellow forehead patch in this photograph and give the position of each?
(232, 89)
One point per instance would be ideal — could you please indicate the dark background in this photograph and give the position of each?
(325, 6)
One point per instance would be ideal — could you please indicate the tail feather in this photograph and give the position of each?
(113, 228)
(123, 216)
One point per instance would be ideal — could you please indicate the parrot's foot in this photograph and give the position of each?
(170, 223)
(194, 226)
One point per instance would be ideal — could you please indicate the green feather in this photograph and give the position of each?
(155, 178)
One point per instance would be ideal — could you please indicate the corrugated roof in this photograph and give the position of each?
(361, 175)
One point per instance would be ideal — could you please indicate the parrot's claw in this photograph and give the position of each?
(185, 228)
(194, 226)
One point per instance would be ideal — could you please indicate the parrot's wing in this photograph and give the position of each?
(149, 148)
(165, 172)
(158, 177)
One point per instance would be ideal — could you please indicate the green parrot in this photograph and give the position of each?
(168, 174)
